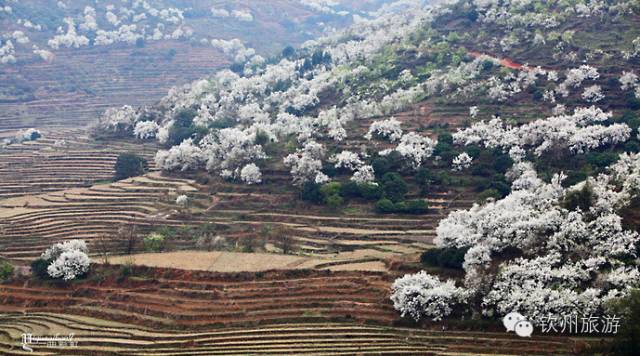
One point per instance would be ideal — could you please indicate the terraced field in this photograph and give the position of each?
(31, 223)
(164, 298)
(101, 337)
(55, 197)
(81, 83)
(62, 159)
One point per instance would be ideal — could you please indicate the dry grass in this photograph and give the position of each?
(222, 261)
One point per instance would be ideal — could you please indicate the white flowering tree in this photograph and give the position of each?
(421, 295)
(306, 164)
(182, 201)
(461, 162)
(571, 258)
(389, 129)
(67, 260)
(251, 174)
(581, 132)
(415, 148)
(118, 120)
(229, 150)
(184, 157)
(146, 130)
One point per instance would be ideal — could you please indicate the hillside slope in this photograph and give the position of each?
(66, 65)
(492, 145)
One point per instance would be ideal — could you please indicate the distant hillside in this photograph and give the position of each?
(64, 62)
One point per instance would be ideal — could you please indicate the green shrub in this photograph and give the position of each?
(129, 165)
(261, 138)
(446, 138)
(310, 192)
(602, 159)
(39, 268)
(350, 190)
(502, 163)
(329, 189)
(417, 206)
(489, 193)
(632, 102)
(154, 242)
(183, 127)
(385, 206)
(574, 178)
(381, 165)
(628, 338)
(6, 270)
(394, 187)
(631, 119)
(385, 164)
(370, 191)
(334, 201)
(445, 151)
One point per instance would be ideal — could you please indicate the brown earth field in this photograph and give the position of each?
(164, 311)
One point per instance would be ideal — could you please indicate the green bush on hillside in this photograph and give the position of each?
(129, 165)
(6, 270)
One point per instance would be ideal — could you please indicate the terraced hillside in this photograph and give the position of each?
(81, 83)
(91, 213)
(30, 223)
(162, 297)
(61, 203)
(99, 336)
(62, 159)
(296, 202)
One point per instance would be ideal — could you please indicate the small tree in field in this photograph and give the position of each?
(128, 234)
(129, 165)
(154, 242)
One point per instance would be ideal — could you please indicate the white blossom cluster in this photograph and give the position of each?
(575, 77)
(252, 105)
(146, 129)
(421, 295)
(116, 120)
(462, 162)
(182, 200)
(389, 129)
(629, 81)
(69, 259)
(363, 173)
(415, 148)
(70, 39)
(579, 133)
(306, 164)
(7, 52)
(234, 49)
(229, 151)
(184, 157)
(571, 261)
